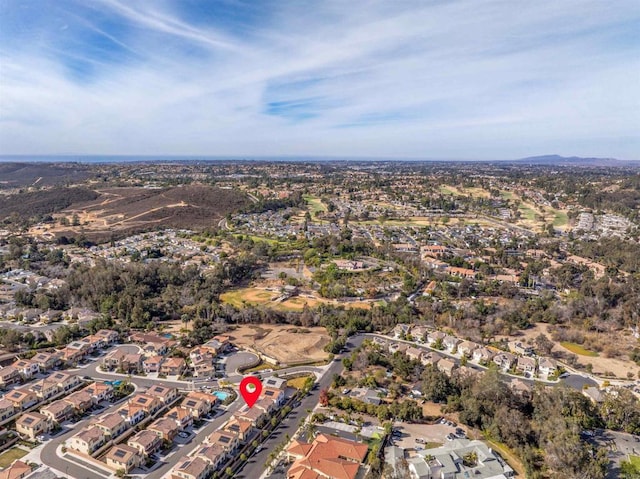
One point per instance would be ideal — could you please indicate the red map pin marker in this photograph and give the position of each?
(250, 389)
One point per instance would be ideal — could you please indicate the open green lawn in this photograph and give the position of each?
(506, 195)
(447, 190)
(7, 457)
(635, 460)
(577, 349)
(560, 218)
(527, 212)
(315, 204)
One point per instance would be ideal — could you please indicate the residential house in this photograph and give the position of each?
(523, 349)
(131, 413)
(414, 353)
(547, 366)
(450, 343)
(209, 399)
(447, 462)
(58, 411)
(202, 365)
(131, 363)
(276, 394)
(505, 361)
(47, 361)
(446, 366)
(419, 333)
(483, 355)
(9, 375)
(6, 409)
(434, 337)
(197, 408)
(152, 364)
(275, 383)
(228, 440)
(165, 428)
(326, 457)
(461, 272)
(113, 359)
(109, 336)
(266, 404)
(155, 349)
(166, 394)
(526, 365)
(436, 251)
(191, 468)
(401, 331)
(21, 399)
(32, 425)
(224, 341)
(213, 454)
(149, 404)
(44, 388)
(100, 391)
(466, 348)
(17, 470)
(123, 458)
(257, 417)
(87, 441)
(173, 366)
(240, 426)
(27, 367)
(430, 358)
(93, 342)
(112, 424)
(181, 415)
(146, 442)
(65, 381)
(81, 401)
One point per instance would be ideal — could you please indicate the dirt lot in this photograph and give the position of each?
(262, 296)
(287, 344)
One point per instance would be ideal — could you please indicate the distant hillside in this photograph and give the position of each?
(34, 204)
(557, 160)
(118, 211)
(16, 175)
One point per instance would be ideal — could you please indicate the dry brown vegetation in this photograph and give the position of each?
(289, 345)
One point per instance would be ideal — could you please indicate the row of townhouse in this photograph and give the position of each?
(32, 424)
(18, 400)
(133, 363)
(153, 358)
(223, 444)
(25, 369)
(162, 430)
(505, 360)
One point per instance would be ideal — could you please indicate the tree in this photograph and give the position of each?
(323, 399)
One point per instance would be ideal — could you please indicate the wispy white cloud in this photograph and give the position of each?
(470, 78)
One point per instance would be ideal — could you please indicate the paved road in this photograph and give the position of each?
(72, 469)
(255, 465)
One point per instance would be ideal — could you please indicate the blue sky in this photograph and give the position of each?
(466, 79)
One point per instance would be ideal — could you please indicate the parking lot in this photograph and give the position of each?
(406, 434)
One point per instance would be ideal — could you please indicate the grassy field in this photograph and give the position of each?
(7, 458)
(315, 204)
(447, 190)
(635, 460)
(577, 349)
(506, 195)
(560, 218)
(297, 383)
(527, 212)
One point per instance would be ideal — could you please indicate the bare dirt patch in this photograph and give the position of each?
(288, 344)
